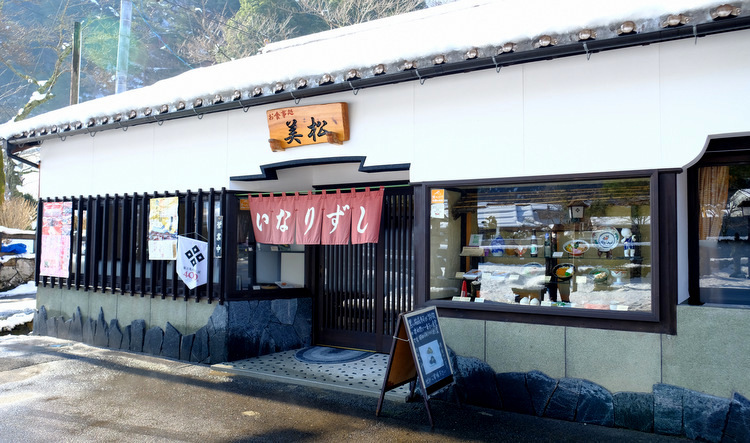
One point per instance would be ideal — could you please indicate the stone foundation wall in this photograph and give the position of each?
(15, 272)
(235, 330)
(667, 410)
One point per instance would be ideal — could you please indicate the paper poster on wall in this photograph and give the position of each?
(57, 220)
(162, 228)
(437, 203)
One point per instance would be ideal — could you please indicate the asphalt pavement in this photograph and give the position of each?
(57, 390)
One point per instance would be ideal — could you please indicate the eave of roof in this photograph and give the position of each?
(609, 36)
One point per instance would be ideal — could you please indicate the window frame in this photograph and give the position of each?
(662, 318)
(719, 152)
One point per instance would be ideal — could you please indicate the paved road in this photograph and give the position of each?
(56, 390)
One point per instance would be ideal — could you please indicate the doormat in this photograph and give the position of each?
(324, 355)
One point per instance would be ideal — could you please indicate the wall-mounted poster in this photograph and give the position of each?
(162, 228)
(57, 219)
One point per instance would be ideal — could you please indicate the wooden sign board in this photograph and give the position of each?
(308, 125)
(418, 353)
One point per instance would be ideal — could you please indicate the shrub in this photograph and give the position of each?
(18, 213)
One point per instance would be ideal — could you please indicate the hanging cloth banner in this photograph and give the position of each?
(57, 220)
(309, 210)
(162, 228)
(367, 207)
(192, 261)
(314, 219)
(282, 220)
(261, 213)
(337, 219)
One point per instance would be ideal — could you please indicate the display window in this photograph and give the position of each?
(723, 219)
(568, 245)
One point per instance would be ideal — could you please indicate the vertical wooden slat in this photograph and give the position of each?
(188, 228)
(410, 250)
(211, 244)
(198, 219)
(116, 233)
(125, 256)
(222, 265)
(134, 239)
(37, 265)
(90, 242)
(143, 234)
(159, 274)
(80, 256)
(104, 231)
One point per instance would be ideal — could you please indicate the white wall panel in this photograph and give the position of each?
(122, 161)
(705, 90)
(66, 167)
(190, 154)
(469, 126)
(600, 114)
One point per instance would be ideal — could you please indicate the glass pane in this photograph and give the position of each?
(583, 245)
(724, 202)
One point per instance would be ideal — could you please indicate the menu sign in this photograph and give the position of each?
(418, 353)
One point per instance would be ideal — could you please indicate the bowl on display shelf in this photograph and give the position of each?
(576, 248)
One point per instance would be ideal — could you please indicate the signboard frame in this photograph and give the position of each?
(418, 353)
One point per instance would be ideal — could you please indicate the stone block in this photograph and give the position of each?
(137, 331)
(303, 321)
(186, 346)
(63, 328)
(115, 335)
(595, 405)
(75, 332)
(40, 321)
(199, 352)
(89, 328)
(217, 335)
(513, 393)
(152, 340)
(101, 334)
(738, 420)
(285, 310)
(279, 338)
(247, 322)
(668, 409)
(634, 410)
(475, 383)
(52, 327)
(704, 416)
(540, 387)
(171, 346)
(125, 343)
(564, 401)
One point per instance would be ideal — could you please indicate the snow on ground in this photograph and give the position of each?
(17, 311)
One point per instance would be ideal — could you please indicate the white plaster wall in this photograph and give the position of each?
(637, 108)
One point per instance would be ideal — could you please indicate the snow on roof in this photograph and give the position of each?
(443, 29)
